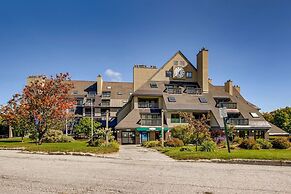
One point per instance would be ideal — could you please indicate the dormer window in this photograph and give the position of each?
(106, 94)
(91, 93)
(153, 85)
(175, 62)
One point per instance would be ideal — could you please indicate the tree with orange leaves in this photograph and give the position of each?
(43, 103)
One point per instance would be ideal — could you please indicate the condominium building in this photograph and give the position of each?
(135, 109)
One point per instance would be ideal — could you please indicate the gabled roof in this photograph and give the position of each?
(177, 53)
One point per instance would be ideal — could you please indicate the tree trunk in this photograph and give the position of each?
(10, 133)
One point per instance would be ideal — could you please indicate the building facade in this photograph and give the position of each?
(135, 109)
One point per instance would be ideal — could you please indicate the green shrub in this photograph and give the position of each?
(112, 144)
(150, 144)
(237, 140)
(281, 143)
(56, 136)
(208, 146)
(182, 132)
(174, 142)
(248, 143)
(183, 149)
(264, 144)
(96, 142)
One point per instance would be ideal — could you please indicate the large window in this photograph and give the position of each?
(148, 103)
(106, 94)
(176, 118)
(79, 101)
(151, 119)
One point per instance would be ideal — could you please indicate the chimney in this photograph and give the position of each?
(99, 84)
(228, 87)
(237, 87)
(141, 74)
(202, 69)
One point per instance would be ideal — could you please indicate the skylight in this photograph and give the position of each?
(254, 115)
(202, 100)
(171, 99)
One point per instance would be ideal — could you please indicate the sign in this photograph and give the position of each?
(223, 112)
(152, 128)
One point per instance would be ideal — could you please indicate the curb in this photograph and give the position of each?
(60, 153)
(244, 161)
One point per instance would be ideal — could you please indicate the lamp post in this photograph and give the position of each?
(223, 115)
(92, 124)
(162, 128)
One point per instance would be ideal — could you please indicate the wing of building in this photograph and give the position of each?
(135, 109)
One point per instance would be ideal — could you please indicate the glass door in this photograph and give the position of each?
(144, 136)
(127, 137)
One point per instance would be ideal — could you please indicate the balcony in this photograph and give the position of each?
(105, 104)
(228, 105)
(151, 122)
(238, 121)
(148, 105)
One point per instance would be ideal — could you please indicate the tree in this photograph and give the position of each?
(198, 127)
(280, 117)
(43, 104)
(84, 127)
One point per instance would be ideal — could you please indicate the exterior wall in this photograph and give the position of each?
(141, 75)
(161, 74)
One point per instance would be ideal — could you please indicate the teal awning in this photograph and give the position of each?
(142, 129)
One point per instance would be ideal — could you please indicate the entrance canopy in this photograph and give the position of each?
(144, 129)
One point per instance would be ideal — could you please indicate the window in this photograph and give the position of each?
(203, 100)
(108, 87)
(169, 74)
(153, 85)
(91, 93)
(175, 62)
(106, 94)
(254, 115)
(119, 93)
(171, 99)
(176, 118)
(189, 74)
(79, 101)
(182, 63)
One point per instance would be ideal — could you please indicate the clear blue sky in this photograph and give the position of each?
(248, 41)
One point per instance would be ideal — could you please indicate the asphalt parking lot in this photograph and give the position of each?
(134, 170)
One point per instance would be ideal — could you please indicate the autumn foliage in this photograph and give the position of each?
(43, 104)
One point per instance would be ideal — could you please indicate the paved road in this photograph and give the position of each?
(134, 170)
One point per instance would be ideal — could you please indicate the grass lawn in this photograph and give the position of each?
(76, 146)
(271, 154)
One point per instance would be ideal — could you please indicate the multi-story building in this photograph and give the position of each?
(135, 109)
(179, 86)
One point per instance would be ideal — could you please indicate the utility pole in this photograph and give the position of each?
(107, 128)
(67, 122)
(162, 128)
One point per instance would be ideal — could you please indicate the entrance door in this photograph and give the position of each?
(144, 136)
(127, 137)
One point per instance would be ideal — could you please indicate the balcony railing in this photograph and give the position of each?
(174, 91)
(228, 105)
(151, 122)
(105, 104)
(148, 105)
(196, 91)
(238, 121)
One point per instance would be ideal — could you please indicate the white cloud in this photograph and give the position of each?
(113, 75)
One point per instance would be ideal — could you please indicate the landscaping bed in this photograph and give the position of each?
(189, 153)
(75, 146)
